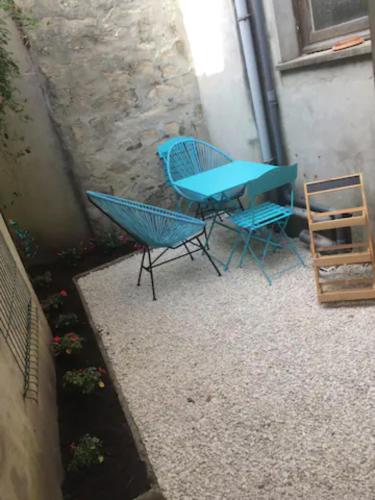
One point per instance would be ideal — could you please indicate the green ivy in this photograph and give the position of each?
(10, 100)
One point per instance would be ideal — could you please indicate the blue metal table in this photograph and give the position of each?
(220, 179)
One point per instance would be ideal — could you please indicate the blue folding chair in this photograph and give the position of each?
(258, 221)
(153, 227)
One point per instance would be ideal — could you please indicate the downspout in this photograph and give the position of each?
(266, 69)
(263, 55)
(250, 58)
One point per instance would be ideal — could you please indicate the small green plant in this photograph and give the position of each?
(111, 240)
(54, 301)
(26, 241)
(70, 343)
(85, 380)
(68, 320)
(71, 257)
(10, 100)
(42, 280)
(86, 453)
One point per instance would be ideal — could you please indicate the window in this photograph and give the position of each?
(320, 22)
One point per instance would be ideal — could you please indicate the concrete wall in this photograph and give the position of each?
(327, 110)
(216, 52)
(120, 80)
(30, 466)
(45, 200)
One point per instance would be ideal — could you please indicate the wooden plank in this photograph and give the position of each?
(344, 258)
(357, 294)
(360, 220)
(347, 282)
(342, 211)
(342, 246)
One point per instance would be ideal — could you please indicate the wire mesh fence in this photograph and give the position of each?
(18, 320)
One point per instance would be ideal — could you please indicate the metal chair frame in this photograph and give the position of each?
(264, 217)
(193, 239)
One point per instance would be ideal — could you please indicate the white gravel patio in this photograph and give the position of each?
(241, 390)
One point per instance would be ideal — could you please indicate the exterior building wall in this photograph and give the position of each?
(30, 464)
(327, 109)
(37, 189)
(120, 80)
(216, 51)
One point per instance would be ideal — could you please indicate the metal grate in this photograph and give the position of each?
(18, 320)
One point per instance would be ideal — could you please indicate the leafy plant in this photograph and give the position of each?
(86, 453)
(9, 71)
(42, 280)
(26, 241)
(54, 301)
(111, 240)
(70, 343)
(68, 320)
(71, 257)
(85, 380)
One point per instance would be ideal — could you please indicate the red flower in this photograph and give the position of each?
(72, 446)
(101, 370)
(63, 293)
(57, 339)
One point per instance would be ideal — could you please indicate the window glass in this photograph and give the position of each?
(327, 13)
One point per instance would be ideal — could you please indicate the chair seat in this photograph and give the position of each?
(260, 215)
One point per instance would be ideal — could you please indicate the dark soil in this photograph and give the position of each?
(123, 475)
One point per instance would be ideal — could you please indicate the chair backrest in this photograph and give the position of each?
(152, 226)
(189, 157)
(162, 149)
(271, 180)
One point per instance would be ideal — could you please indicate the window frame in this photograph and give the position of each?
(312, 41)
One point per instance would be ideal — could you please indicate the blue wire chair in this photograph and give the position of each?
(153, 227)
(162, 149)
(261, 218)
(186, 156)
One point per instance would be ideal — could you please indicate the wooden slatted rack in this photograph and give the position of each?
(358, 252)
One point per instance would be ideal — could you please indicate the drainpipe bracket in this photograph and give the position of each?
(243, 18)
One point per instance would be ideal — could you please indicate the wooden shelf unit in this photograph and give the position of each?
(343, 254)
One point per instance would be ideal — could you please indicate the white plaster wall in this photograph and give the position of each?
(211, 30)
(328, 115)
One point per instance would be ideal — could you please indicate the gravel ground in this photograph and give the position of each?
(242, 390)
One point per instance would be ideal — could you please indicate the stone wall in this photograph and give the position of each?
(119, 80)
(30, 463)
(37, 189)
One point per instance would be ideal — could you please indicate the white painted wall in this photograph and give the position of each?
(328, 114)
(211, 30)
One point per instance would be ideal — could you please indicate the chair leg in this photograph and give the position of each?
(260, 264)
(141, 268)
(151, 273)
(201, 214)
(208, 236)
(245, 247)
(234, 248)
(188, 251)
(208, 256)
(240, 204)
(290, 244)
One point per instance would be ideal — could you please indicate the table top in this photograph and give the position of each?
(223, 178)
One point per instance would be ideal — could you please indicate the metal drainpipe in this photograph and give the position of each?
(263, 56)
(248, 49)
(266, 70)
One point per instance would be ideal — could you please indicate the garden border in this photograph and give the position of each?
(154, 492)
